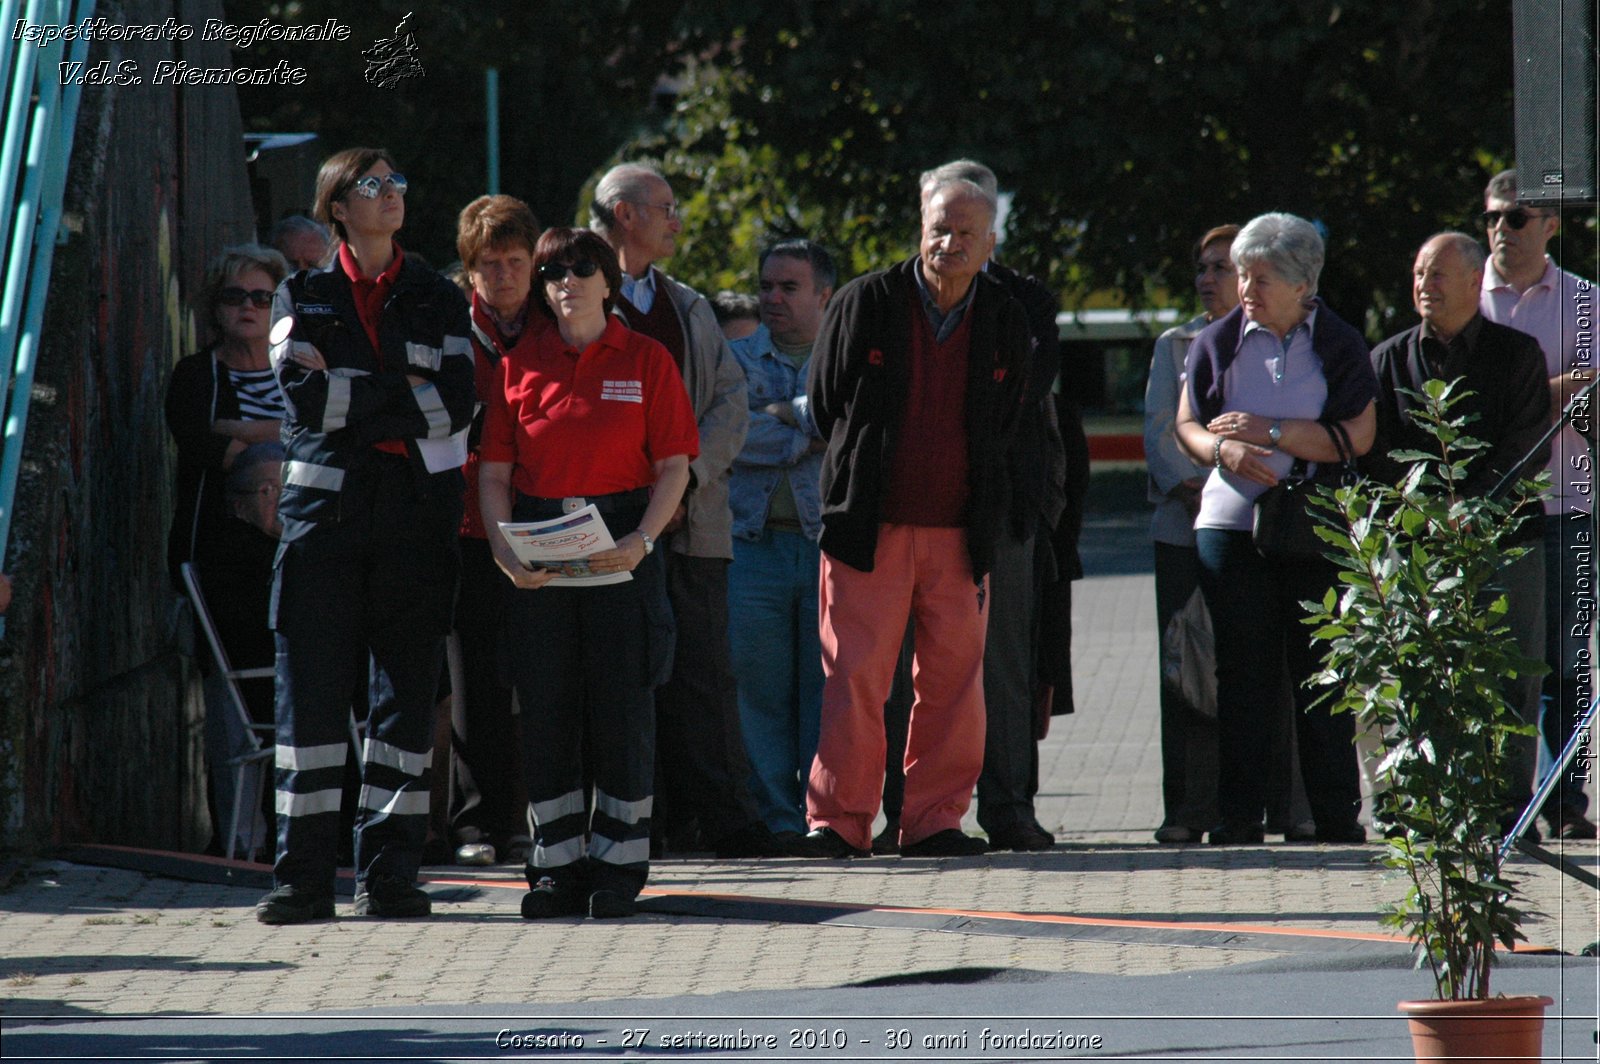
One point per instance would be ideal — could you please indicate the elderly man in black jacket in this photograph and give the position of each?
(1503, 371)
(916, 382)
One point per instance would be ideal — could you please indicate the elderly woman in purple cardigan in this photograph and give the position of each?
(1267, 385)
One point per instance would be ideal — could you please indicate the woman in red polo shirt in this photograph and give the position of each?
(597, 413)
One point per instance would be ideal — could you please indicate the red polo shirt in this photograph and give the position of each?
(589, 423)
(370, 294)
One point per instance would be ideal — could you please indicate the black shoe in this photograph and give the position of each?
(546, 900)
(1027, 837)
(1349, 833)
(290, 904)
(951, 842)
(1572, 825)
(887, 841)
(825, 843)
(391, 897)
(610, 905)
(751, 841)
(1177, 834)
(1237, 835)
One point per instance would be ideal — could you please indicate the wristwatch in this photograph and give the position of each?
(649, 544)
(1275, 433)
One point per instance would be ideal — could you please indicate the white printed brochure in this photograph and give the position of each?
(563, 545)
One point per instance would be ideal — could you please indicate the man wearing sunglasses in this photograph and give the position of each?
(701, 765)
(1523, 288)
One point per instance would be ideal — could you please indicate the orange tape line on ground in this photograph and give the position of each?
(978, 914)
(975, 914)
(1035, 918)
(1055, 918)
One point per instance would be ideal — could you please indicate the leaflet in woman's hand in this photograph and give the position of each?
(563, 545)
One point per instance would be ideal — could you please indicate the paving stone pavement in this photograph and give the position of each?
(81, 940)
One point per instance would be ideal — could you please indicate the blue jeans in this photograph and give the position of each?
(777, 663)
(1256, 616)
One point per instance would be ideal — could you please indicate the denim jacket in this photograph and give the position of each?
(771, 447)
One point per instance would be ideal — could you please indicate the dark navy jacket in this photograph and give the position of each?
(335, 416)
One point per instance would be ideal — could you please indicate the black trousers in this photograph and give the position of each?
(486, 790)
(367, 597)
(1258, 623)
(584, 661)
(1188, 737)
(702, 769)
(1010, 776)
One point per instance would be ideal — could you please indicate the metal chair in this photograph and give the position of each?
(259, 736)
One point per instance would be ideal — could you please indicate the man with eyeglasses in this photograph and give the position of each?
(1523, 288)
(701, 765)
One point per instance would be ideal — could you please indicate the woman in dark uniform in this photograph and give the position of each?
(376, 369)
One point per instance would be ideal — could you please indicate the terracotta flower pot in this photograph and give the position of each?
(1501, 1028)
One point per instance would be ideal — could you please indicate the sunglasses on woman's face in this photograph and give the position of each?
(369, 187)
(555, 271)
(235, 297)
(1515, 218)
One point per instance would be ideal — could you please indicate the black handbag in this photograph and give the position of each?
(1284, 524)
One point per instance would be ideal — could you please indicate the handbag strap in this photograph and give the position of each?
(1341, 441)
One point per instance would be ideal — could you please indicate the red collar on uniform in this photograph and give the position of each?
(347, 262)
(370, 294)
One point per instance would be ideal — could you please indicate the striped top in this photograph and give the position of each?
(258, 394)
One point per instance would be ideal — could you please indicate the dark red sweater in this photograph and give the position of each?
(928, 475)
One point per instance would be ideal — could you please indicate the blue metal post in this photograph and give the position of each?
(16, 97)
(491, 104)
(49, 152)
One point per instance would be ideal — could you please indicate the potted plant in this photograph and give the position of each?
(1418, 649)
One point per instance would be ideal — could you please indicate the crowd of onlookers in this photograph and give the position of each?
(1268, 383)
(842, 525)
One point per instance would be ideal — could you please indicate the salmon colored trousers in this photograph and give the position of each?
(923, 573)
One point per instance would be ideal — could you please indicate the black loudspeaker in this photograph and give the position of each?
(1554, 46)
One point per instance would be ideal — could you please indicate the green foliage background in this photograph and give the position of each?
(1125, 128)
